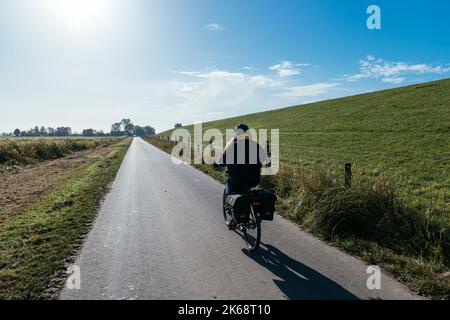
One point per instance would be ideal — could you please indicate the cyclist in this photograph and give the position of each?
(244, 159)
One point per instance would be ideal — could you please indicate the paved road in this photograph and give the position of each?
(160, 235)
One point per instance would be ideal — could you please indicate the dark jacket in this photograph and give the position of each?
(244, 158)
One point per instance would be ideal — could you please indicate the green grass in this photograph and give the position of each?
(402, 132)
(397, 213)
(35, 245)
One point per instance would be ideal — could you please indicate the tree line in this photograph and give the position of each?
(127, 128)
(43, 132)
(122, 128)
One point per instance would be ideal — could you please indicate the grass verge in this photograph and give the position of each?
(34, 246)
(370, 220)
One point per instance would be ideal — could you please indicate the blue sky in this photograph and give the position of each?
(89, 63)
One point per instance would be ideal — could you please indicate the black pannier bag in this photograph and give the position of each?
(265, 201)
(240, 207)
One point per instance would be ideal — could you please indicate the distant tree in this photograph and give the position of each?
(88, 132)
(36, 131)
(149, 131)
(63, 131)
(178, 125)
(139, 131)
(129, 129)
(116, 129)
(128, 126)
(124, 123)
(59, 132)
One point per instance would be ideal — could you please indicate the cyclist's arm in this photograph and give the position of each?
(221, 162)
(264, 158)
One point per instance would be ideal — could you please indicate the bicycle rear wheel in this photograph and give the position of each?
(252, 232)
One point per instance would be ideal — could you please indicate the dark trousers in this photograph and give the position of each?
(238, 186)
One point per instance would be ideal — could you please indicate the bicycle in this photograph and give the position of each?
(251, 229)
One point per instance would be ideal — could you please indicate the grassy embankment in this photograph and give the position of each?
(397, 212)
(34, 246)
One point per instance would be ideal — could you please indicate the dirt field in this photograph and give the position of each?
(22, 186)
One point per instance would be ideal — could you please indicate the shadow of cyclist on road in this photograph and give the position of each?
(296, 280)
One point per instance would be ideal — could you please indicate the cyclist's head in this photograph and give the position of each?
(241, 129)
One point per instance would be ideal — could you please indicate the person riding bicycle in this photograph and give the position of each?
(244, 158)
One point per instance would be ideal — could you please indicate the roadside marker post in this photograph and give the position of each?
(348, 175)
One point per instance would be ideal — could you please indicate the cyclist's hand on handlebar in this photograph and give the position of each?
(267, 164)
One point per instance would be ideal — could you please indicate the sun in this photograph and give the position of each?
(79, 14)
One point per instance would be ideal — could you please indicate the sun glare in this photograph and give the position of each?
(79, 14)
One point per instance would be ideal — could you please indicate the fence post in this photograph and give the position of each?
(348, 175)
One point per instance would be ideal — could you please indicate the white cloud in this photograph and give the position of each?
(223, 91)
(287, 68)
(187, 73)
(393, 72)
(182, 89)
(229, 77)
(312, 90)
(394, 80)
(215, 27)
(205, 95)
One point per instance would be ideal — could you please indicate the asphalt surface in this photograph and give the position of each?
(160, 235)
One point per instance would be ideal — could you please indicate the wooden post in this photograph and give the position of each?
(348, 175)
